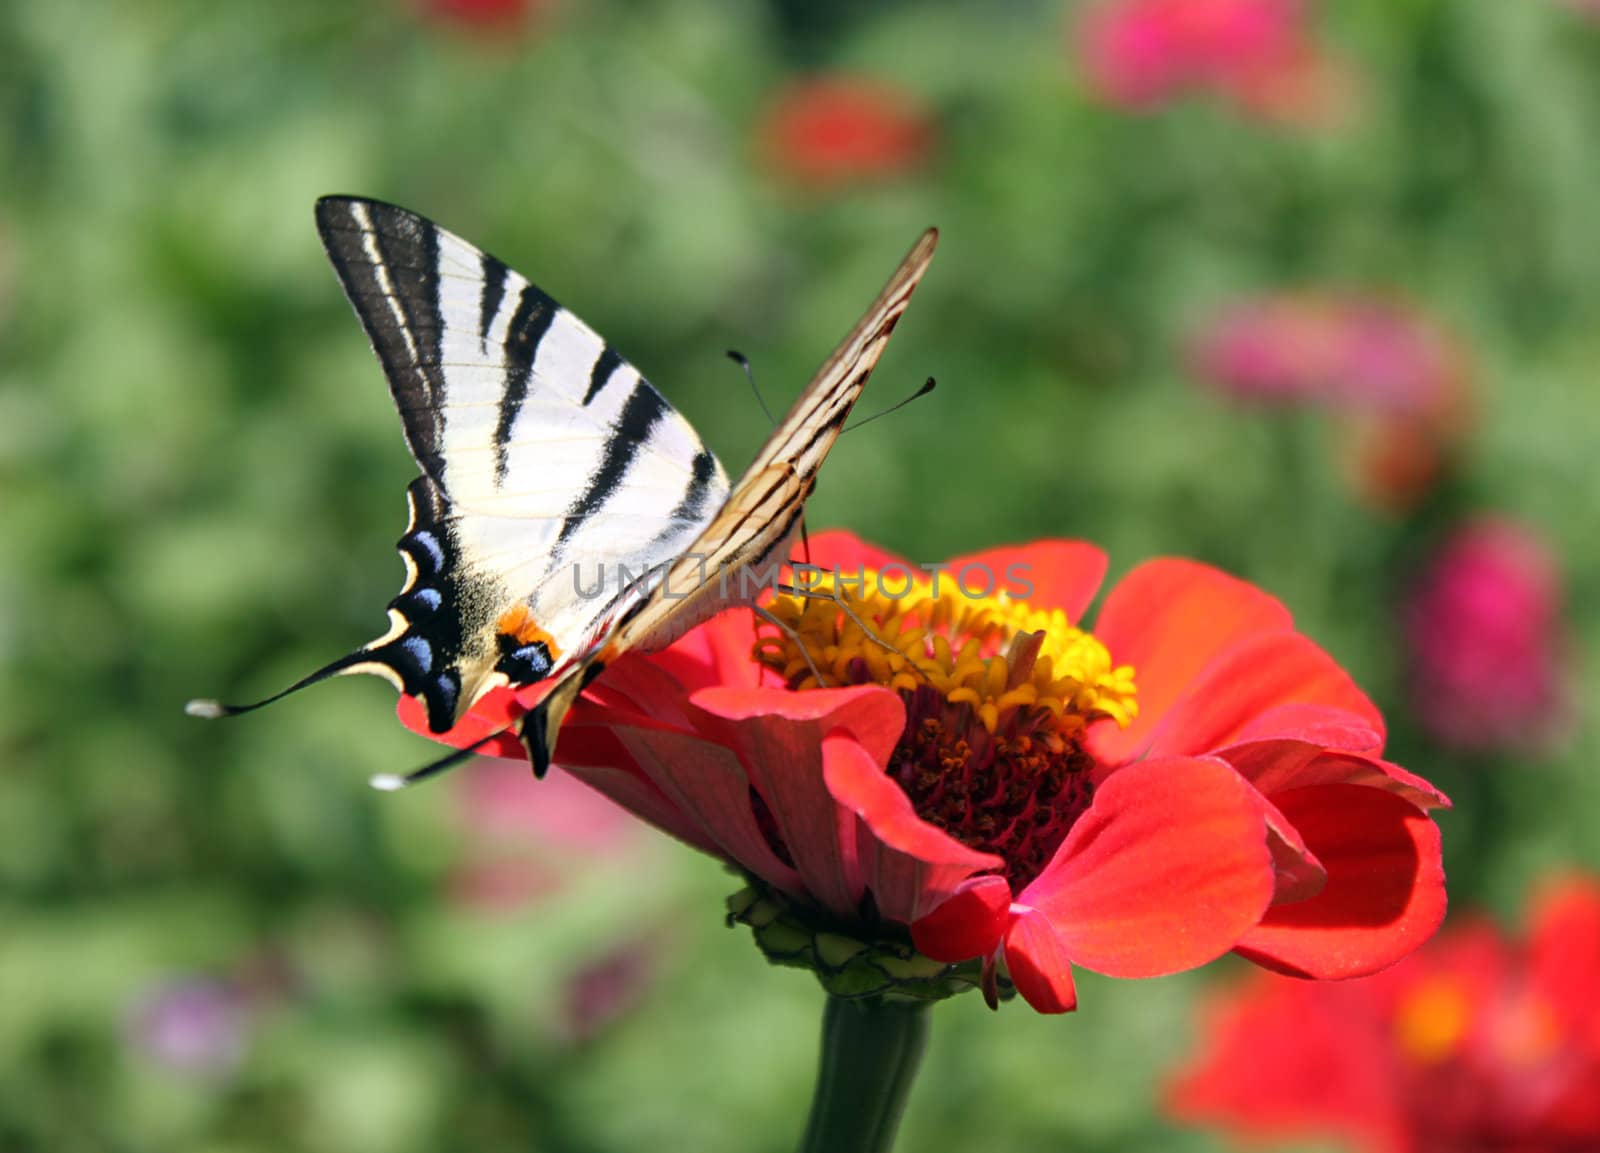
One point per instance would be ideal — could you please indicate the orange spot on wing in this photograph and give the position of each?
(518, 622)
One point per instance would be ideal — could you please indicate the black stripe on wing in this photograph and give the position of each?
(388, 262)
(535, 313)
(490, 295)
(695, 494)
(644, 409)
(607, 363)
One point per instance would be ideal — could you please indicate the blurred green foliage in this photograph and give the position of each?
(201, 475)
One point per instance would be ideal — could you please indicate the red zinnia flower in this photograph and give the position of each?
(832, 131)
(1482, 630)
(1006, 788)
(1475, 1044)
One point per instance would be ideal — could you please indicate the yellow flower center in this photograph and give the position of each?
(998, 695)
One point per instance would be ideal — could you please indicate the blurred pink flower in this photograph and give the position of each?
(524, 837)
(1398, 381)
(1349, 351)
(1259, 54)
(828, 132)
(1482, 630)
(608, 988)
(192, 1025)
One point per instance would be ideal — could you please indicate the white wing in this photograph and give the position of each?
(541, 450)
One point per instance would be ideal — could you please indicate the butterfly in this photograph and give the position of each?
(546, 459)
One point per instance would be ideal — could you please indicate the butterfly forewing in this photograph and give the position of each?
(542, 451)
(762, 513)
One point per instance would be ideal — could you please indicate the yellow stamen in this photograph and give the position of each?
(964, 647)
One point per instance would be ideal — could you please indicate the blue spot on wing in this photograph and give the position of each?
(420, 651)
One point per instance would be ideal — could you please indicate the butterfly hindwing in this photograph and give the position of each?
(547, 460)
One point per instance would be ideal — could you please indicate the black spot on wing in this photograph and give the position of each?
(644, 410)
(535, 313)
(490, 295)
(524, 664)
(393, 284)
(607, 363)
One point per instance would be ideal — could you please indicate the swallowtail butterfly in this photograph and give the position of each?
(541, 449)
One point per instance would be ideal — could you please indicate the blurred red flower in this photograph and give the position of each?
(1259, 54)
(1483, 638)
(1396, 380)
(1476, 1044)
(829, 132)
(1194, 777)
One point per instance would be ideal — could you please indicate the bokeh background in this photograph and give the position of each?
(1309, 291)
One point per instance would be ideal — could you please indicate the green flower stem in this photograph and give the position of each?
(871, 1049)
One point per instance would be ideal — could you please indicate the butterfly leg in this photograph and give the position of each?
(867, 630)
(795, 637)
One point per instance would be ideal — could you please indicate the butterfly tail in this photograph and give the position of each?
(541, 725)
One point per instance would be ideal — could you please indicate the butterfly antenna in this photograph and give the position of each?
(743, 362)
(394, 782)
(210, 710)
(927, 386)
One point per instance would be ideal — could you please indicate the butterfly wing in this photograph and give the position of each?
(541, 450)
(760, 517)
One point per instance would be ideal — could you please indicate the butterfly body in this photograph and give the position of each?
(566, 513)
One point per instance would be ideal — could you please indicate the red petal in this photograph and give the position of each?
(1278, 766)
(1385, 891)
(908, 865)
(1040, 965)
(1048, 574)
(1298, 875)
(496, 711)
(969, 924)
(1169, 619)
(716, 653)
(1331, 728)
(706, 782)
(1256, 676)
(635, 793)
(1166, 871)
(777, 736)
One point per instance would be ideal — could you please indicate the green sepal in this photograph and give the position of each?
(849, 961)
